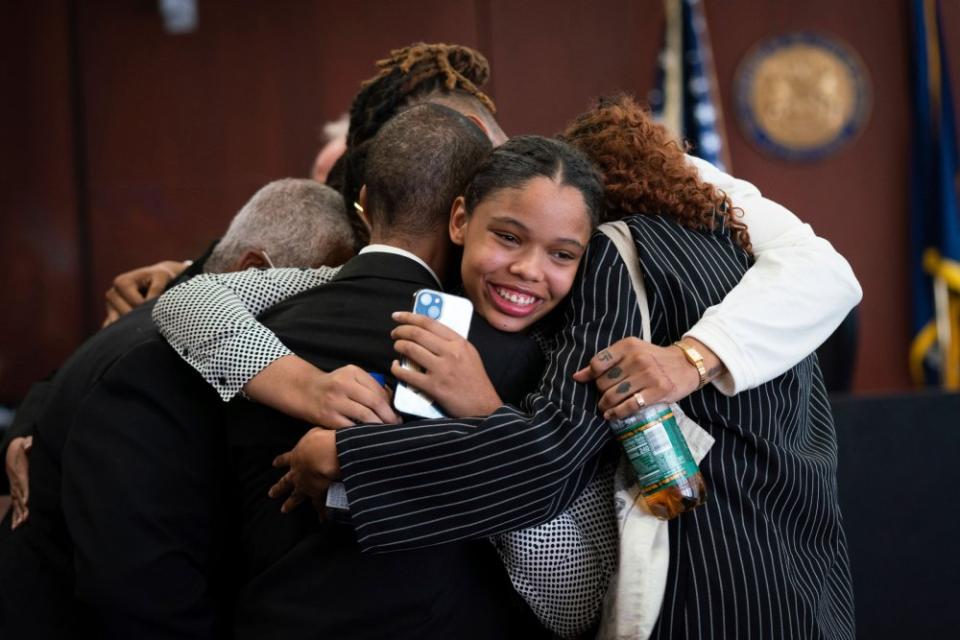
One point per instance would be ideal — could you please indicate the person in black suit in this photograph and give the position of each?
(309, 579)
(36, 564)
(37, 579)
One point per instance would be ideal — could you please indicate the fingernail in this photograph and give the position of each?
(395, 315)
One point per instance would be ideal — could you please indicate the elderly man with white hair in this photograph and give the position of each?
(292, 222)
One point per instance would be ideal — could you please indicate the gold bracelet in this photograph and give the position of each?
(695, 358)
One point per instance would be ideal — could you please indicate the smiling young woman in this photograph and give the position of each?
(522, 247)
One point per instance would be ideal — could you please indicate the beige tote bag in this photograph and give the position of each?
(632, 604)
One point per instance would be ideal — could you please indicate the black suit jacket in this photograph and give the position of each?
(114, 399)
(36, 573)
(32, 405)
(110, 342)
(309, 579)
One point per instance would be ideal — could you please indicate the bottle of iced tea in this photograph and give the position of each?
(668, 476)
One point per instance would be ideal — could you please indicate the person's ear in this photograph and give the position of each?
(458, 221)
(251, 259)
(360, 208)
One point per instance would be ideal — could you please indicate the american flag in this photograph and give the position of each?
(686, 98)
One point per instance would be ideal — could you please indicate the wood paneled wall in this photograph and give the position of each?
(42, 277)
(124, 145)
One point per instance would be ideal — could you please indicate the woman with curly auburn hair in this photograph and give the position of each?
(766, 556)
(646, 170)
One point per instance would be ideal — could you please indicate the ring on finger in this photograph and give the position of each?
(638, 397)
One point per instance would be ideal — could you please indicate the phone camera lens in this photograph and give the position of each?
(425, 299)
(434, 312)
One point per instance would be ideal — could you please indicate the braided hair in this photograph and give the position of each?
(412, 72)
(406, 75)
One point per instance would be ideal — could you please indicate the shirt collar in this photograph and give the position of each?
(385, 248)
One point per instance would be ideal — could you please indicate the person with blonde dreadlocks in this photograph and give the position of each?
(446, 74)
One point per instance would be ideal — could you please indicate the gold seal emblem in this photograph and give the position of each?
(802, 96)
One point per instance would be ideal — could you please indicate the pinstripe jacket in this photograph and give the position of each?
(766, 557)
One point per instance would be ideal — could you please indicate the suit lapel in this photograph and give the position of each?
(388, 266)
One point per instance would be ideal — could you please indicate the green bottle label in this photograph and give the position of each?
(656, 449)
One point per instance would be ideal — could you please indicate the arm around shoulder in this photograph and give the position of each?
(211, 321)
(788, 303)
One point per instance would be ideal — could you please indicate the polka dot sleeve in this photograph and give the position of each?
(211, 321)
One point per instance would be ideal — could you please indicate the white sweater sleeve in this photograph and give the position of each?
(794, 296)
(210, 321)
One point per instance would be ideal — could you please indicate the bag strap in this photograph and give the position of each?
(619, 234)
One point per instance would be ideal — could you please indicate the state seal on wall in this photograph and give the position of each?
(802, 96)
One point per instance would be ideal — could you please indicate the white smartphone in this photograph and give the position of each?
(450, 310)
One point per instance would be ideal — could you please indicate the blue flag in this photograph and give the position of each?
(934, 212)
(686, 99)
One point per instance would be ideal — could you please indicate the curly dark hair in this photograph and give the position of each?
(645, 170)
(406, 75)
